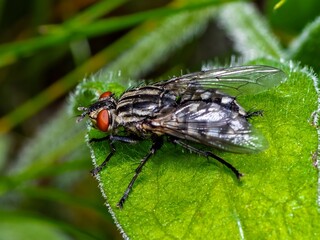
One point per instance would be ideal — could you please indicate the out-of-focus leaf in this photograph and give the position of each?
(292, 16)
(4, 148)
(306, 46)
(62, 34)
(250, 32)
(22, 226)
(45, 154)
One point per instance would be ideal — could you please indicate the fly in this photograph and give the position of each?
(198, 107)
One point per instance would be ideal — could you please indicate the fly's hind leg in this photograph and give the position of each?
(208, 154)
(156, 145)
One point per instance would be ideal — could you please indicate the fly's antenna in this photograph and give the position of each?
(104, 103)
(85, 112)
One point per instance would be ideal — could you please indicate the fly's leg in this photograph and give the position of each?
(111, 139)
(208, 154)
(98, 169)
(251, 114)
(156, 145)
(114, 138)
(125, 139)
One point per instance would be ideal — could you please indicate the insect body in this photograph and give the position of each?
(194, 108)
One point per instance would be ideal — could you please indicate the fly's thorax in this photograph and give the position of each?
(143, 103)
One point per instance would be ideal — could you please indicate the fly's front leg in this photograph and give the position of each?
(157, 144)
(98, 169)
(208, 154)
(111, 139)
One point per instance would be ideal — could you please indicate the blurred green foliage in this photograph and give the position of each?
(47, 47)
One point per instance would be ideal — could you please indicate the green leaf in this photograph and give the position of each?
(306, 46)
(182, 195)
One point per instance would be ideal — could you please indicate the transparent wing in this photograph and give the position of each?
(212, 125)
(233, 81)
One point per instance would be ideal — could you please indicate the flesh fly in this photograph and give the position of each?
(198, 107)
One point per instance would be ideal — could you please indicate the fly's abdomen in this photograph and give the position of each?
(146, 102)
(210, 124)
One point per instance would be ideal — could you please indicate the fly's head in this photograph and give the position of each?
(101, 113)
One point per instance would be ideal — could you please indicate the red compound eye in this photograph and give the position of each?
(105, 94)
(103, 120)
